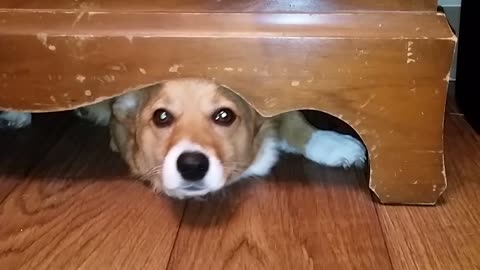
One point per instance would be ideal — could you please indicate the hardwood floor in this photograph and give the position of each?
(66, 203)
(304, 217)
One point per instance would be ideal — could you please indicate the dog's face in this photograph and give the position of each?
(189, 137)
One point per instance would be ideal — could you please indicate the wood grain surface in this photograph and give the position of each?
(266, 58)
(225, 5)
(303, 217)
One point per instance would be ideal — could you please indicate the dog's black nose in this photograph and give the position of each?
(192, 165)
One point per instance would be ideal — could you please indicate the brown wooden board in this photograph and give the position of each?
(225, 5)
(60, 60)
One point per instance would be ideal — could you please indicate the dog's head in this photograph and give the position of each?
(189, 137)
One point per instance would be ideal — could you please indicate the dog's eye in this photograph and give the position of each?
(224, 117)
(162, 118)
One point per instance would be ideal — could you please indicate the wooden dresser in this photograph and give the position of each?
(379, 65)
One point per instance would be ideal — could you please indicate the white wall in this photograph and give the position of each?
(449, 2)
(452, 10)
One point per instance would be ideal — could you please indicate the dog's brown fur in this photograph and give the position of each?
(248, 147)
(144, 146)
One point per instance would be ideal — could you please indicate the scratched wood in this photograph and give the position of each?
(281, 53)
(225, 5)
(385, 74)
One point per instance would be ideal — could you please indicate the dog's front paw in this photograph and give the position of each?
(333, 149)
(15, 120)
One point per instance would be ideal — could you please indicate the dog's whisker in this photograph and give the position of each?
(148, 174)
(153, 171)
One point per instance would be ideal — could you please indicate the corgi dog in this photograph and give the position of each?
(190, 137)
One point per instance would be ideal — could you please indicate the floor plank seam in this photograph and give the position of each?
(383, 232)
(9, 193)
(180, 223)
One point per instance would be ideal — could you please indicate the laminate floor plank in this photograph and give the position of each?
(303, 217)
(77, 210)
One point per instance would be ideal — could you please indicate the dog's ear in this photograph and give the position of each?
(258, 119)
(125, 108)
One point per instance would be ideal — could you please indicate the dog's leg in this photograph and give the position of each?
(15, 120)
(328, 148)
(98, 113)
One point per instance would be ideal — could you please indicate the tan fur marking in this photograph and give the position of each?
(295, 129)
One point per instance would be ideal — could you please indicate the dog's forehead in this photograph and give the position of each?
(189, 88)
(191, 91)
